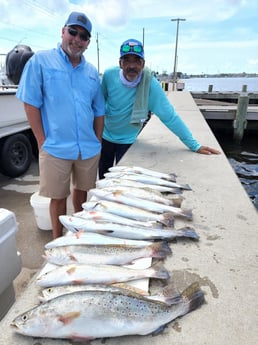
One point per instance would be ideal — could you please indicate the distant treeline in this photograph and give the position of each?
(181, 75)
(224, 75)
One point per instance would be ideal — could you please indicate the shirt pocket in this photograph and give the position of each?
(55, 81)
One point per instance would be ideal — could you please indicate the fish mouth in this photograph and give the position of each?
(14, 325)
(41, 298)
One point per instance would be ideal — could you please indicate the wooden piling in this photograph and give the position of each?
(164, 85)
(240, 121)
(210, 88)
(244, 88)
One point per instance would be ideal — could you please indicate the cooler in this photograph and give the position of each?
(10, 260)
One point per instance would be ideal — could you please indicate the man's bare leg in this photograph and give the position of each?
(57, 208)
(79, 197)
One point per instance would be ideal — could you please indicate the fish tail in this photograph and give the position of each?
(161, 250)
(168, 219)
(170, 295)
(193, 297)
(188, 232)
(176, 202)
(159, 271)
(185, 187)
(187, 214)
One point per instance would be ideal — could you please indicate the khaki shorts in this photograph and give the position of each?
(56, 173)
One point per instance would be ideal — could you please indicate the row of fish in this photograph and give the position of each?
(87, 294)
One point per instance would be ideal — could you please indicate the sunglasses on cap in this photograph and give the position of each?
(126, 48)
(73, 32)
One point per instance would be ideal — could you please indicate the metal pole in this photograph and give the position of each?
(97, 41)
(175, 58)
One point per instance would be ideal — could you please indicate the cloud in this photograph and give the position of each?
(116, 13)
(121, 12)
(253, 62)
(212, 29)
(112, 12)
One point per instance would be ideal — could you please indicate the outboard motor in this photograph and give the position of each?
(15, 62)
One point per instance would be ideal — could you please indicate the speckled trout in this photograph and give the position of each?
(109, 182)
(144, 204)
(147, 179)
(130, 212)
(168, 295)
(102, 215)
(108, 254)
(82, 237)
(87, 315)
(108, 229)
(98, 274)
(144, 171)
(141, 193)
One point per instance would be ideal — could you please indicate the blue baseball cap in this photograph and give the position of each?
(132, 46)
(78, 18)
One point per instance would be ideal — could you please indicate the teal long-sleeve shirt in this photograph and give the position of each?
(119, 101)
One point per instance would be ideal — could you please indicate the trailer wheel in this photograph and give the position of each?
(15, 155)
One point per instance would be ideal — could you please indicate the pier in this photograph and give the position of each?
(232, 110)
(238, 111)
(223, 261)
(214, 110)
(225, 96)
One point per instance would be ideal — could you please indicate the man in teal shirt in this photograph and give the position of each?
(131, 92)
(65, 107)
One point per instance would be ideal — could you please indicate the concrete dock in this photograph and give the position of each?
(223, 261)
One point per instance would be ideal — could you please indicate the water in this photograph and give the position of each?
(243, 157)
(221, 84)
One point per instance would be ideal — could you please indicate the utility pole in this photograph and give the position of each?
(97, 40)
(175, 59)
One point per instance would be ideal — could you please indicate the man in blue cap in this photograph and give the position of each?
(131, 93)
(65, 107)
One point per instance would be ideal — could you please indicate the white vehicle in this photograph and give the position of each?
(17, 142)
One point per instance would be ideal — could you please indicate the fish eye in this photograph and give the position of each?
(24, 317)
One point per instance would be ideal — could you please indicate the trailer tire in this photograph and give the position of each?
(15, 155)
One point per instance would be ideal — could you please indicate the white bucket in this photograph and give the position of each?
(40, 205)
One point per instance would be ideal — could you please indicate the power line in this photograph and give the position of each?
(41, 8)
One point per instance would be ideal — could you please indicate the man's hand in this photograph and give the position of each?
(206, 150)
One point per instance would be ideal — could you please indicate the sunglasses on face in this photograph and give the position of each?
(126, 48)
(73, 32)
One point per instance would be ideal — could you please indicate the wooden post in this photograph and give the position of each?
(210, 88)
(164, 85)
(244, 88)
(240, 121)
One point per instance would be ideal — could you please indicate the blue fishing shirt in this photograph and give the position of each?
(119, 105)
(69, 98)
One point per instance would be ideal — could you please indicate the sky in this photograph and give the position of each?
(217, 36)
